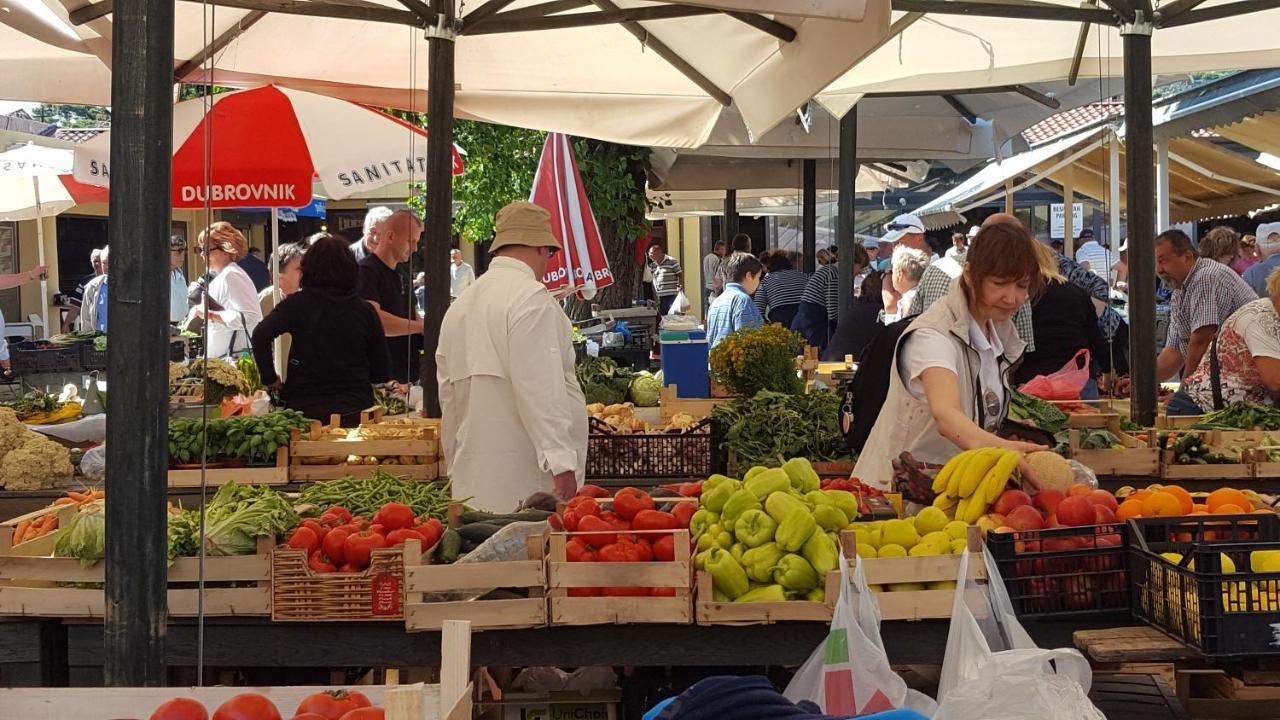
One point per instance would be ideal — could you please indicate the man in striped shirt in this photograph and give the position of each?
(666, 276)
(778, 297)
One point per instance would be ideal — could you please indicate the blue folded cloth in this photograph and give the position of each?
(748, 698)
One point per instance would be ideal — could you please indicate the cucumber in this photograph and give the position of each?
(478, 532)
(477, 516)
(450, 546)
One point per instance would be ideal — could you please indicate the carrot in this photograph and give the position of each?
(66, 501)
(78, 497)
(20, 531)
(98, 495)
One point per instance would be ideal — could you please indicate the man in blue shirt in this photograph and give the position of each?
(1269, 245)
(733, 309)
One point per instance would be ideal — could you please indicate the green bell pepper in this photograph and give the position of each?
(820, 550)
(816, 595)
(780, 504)
(829, 517)
(700, 560)
(795, 529)
(753, 472)
(846, 501)
(726, 574)
(762, 484)
(702, 520)
(760, 561)
(818, 497)
(737, 550)
(767, 593)
(715, 536)
(715, 498)
(719, 597)
(755, 528)
(738, 503)
(793, 573)
(716, 479)
(803, 477)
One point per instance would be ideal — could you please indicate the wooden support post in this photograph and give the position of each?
(810, 215)
(1139, 184)
(1069, 212)
(845, 202)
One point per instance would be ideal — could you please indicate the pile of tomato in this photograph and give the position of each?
(338, 542)
(630, 531)
(853, 485)
(329, 705)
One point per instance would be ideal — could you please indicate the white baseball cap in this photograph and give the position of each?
(973, 232)
(905, 224)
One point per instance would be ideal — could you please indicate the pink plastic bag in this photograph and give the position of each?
(1064, 384)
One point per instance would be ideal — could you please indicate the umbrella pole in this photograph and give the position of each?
(845, 204)
(439, 210)
(277, 345)
(44, 278)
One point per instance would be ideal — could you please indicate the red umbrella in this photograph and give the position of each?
(582, 266)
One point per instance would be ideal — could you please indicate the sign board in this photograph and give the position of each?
(1056, 219)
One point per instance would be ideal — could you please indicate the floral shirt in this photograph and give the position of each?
(1252, 331)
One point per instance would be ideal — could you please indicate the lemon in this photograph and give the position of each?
(939, 540)
(958, 546)
(899, 532)
(892, 550)
(925, 550)
(905, 587)
(930, 519)
(957, 529)
(866, 551)
(942, 585)
(861, 536)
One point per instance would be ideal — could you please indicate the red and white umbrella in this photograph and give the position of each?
(582, 266)
(263, 148)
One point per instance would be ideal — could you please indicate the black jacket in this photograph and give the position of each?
(1064, 321)
(338, 351)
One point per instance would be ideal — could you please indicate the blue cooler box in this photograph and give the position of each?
(684, 364)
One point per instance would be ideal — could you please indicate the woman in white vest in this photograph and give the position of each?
(949, 391)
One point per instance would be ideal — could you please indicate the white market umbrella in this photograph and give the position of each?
(651, 82)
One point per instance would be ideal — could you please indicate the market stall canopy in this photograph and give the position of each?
(644, 73)
(35, 181)
(669, 171)
(267, 144)
(1205, 179)
(939, 51)
(44, 62)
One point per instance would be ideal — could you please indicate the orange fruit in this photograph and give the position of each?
(1130, 508)
(1228, 509)
(1141, 494)
(1161, 504)
(1199, 509)
(1228, 496)
(1183, 496)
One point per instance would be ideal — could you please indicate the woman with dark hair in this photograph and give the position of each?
(338, 350)
(778, 296)
(948, 391)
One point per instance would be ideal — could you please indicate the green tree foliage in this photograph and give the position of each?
(72, 116)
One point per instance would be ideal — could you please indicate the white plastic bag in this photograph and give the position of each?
(994, 670)
(681, 303)
(849, 673)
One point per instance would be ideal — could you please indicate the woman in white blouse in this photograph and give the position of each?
(233, 305)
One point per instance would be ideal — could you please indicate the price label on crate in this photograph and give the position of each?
(386, 595)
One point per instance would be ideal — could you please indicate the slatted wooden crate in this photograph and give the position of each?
(923, 604)
(41, 546)
(710, 611)
(563, 575)
(315, 457)
(189, 475)
(1135, 458)
(377, 593)
(235, 586)
(423, 612)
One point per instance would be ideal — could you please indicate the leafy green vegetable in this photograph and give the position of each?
(603, 381)
(85, 536)
(770, 427)
(1242, 416)
(184, 533)
(238, 515)
(645, 390)
(1044, 415)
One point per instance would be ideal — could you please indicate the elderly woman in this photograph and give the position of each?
(908, 267)
(1247, 354)
(233, 308)
(1221, 244)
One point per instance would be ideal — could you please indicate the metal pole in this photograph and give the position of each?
(1069, 212)
(137, 440)
(1113, 190)
(810, 212)
(44, 279)
(1162, 184)
(729, 227)
(439, 220)
(845, 202)
(1141, 218)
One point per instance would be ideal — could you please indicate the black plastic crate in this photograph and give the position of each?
(1222, 614)
(633, 356)
(650, 455)
(91, 358)
(195, 347)
(177, 350)
(28, 358)
(1064, 572)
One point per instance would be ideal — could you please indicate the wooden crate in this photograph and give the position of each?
(41, 546)
(448, 700)
(563, 575)
(423, 613)
(1099, 420)
(424, 444)
(34, 586)
(1177, 422)
(709, 611)
(669, 404)
(1213, 693)
(1135, 458)
(376, 593)
(277, 474)
(916, 604)
(1233, 471)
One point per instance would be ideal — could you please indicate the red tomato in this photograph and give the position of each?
(593, 491)
(359, 698)
(335, 545)
(578, 550)
(626, 591)
(304, 538)
(593, 524)
(365, 713)
(397, 537)
(331, 705)
(431, 533)
(309, 716)
(320, 564)
(395, 516)
(316, 527)
(569, 519)
(247, 706)
(654, 520)
(583, 505)
(663, 592)
(341, 512)
(349, 568)
(556, 522)
(616, 522)
(361, 545)
(683, 512)
(664, 548)
(180, 709)
(629, 501)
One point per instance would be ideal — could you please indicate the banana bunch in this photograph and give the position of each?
(971, 481)
(66, 413)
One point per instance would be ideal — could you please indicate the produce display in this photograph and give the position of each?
(365, 497)
(389, 400)
(771, 536)
(1031, 410)
(604, 382)
(1241, 416)
(252, 438)
(1157, 500)
(235, 517)
(928, 533)
(620, 419)
(224, 379)
(389, 430)
(328, 705)
(974, 480)
(249, 369)
(475, 527)
(337, 541)
(37, 407)
(29, 460)
(768, 427)
(759, 358)
(1191, 449)
(47, 523)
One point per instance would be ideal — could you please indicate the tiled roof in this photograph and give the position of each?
(78, 135)
(1065, 122)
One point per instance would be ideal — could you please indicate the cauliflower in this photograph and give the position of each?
(36, 464)
(12, 432)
